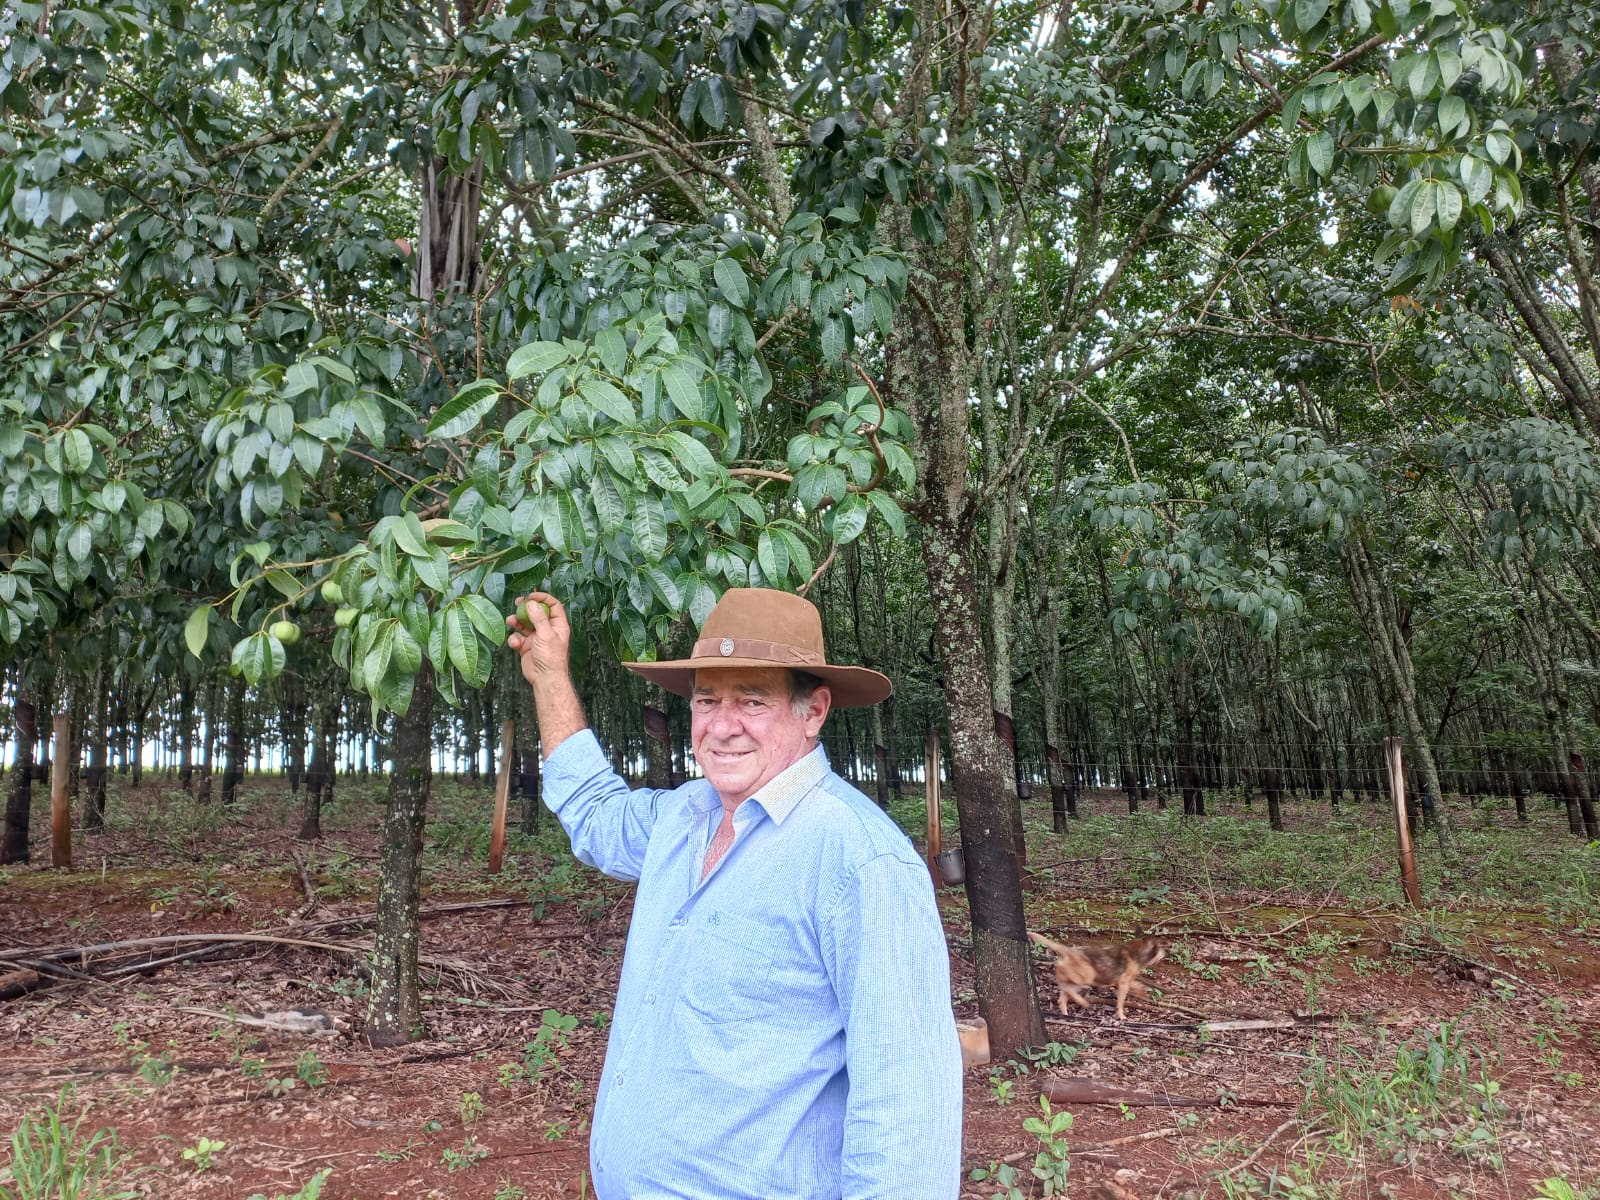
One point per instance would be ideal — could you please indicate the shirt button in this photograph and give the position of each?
(621, 1079)
(650, 999)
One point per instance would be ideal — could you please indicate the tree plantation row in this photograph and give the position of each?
(1173, 391)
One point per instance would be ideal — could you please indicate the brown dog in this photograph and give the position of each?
(1079, 967)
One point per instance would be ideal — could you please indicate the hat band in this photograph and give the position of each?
(773, 652)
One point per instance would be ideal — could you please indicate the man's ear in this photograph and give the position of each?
(821, 702)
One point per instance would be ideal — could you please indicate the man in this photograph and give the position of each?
(783, 1024)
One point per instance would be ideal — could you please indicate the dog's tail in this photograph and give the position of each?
(1057, 947)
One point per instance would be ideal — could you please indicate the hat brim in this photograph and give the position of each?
(850, 687)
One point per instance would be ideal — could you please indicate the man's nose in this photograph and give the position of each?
(724, 721)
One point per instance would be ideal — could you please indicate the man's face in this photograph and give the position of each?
(745, 729)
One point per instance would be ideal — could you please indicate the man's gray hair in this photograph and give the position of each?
(802, 686)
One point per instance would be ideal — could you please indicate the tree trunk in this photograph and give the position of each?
(186, 737)
(142, 699)
(233, 773)
(931, 373)
(979, 772)
(292, 721)
(319, 777)
(1375, 604)
(394, 1011)
(99, 737)
(19, 801)
(208, 751)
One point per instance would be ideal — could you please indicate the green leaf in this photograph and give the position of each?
(197, 629)
(535, 359)
(78, 451)
(773, 556)
(1452, 113)
(407, 655)
(692, 454)
(664, 587)
(409, 535)
(464, 410)
(889, 511)
(1447, 203)
(731, 279)
(1422, 206)
(849, 519)
(650, 528)
(661, 471)
(80, 541)
(833, 340)
(1319, 152)
(487, 619)
(605, 397)
(1307, 13)
(684, 391)
(461, 643)
(608, 506)
(613, 350)
(300, 377)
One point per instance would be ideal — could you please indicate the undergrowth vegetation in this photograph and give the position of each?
(53, 1157)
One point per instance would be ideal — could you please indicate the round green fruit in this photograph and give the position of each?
(286, 632)
(346, 617)
(332, 592)
(525, 612)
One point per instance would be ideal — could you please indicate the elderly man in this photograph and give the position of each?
(783, 1024)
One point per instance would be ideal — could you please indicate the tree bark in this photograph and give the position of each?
(1375, 605)
(19, 801)
(99, 737)
(979, 774)
(233, 773)
(394, 1011)
(292, 719)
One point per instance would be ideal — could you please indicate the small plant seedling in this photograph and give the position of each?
(469, 1155)
(1001, 1175)
(279, 1088)
(470, 1108)
(1051, 1163)
(506, 1190)
(1001, 1089)
(202, 1153)
(309, 1070)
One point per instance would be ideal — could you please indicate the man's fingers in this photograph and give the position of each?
(543, 611)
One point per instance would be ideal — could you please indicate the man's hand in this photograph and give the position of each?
(542, 636)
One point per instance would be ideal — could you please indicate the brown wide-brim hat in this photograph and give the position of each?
(760, 627)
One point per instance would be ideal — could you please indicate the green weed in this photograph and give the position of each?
(1431, 1089)
(54, 1160)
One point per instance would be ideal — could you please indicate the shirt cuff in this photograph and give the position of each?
(572, 762)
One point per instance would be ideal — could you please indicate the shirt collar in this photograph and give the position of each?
(779, 795)
(783, 791)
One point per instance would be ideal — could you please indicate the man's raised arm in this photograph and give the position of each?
(542, 650)
(609, 824)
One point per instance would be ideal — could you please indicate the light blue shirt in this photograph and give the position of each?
(783, 1028)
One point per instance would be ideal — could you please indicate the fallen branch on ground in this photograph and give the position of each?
(1077, 1090)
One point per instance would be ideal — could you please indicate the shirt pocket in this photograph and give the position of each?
(729, 976)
